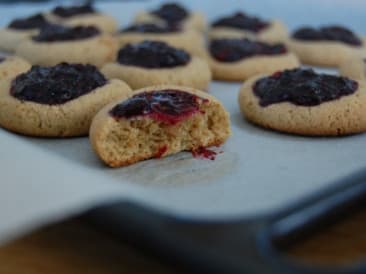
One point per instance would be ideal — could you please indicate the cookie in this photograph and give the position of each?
(84, 15)
(158, 121)
(57, 101)
(240, 25)
(173, 14)
(300, 101)
(189, 40)
(152, 63)
(354, 68)
(240, 59)
(56, 44)
(327, 46)
(11, 66)
(19, 30)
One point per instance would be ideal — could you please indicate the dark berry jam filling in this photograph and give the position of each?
(54, 33)
(302, 87)
(150, 54)
(167, 106)
(242, 21)
(73, 10)
(36, 21)
(231, 50)
(56, 85)
(151, 28)
(330, 33)
(2, 59)
(172, 13)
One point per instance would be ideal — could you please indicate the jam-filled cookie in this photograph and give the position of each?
(189, 40)
(354, 68)
(300, 101)
(241, 58)
(158, 121)
(56, 44)
(241, 25)
(57, 101)
(173, 14)
(154, 63)
(11, 66)
(84, 15)
(325, 46)
(19, 30)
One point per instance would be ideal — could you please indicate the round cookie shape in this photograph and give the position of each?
(155, 63)
(11, 66)
(152, 54)
(241, 25)
(354, 68)
(305, 103)
(56, 44)
(189, 40)
(56, 85)
(239, 59)
(173, 14)
(21, 29)
(83, 15)
(328, 46)
(156, 122)
(38, 103)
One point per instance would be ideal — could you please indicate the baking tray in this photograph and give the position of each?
(259, 174)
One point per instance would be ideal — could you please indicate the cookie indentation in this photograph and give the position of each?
(53, 33)
(36, 21)
(150, 54)
(150, 28)
(56, 85)
(73, 10)
(171, 13)
(168, 106)
(328, 33)
(231, 50)
(242, 21)
(302, 87)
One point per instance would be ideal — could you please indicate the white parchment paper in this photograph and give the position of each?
(44, 180)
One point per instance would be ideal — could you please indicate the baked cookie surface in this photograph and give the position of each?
(56, 44)
(327, 46)
(241, 25)
(354, 68)
(11, 66)
(240, 59)
(306, 103)
(19, 30)
(155, 63)
(83, 15)
(57, 101)
(173, 14)
(158, 121)
(189, 40)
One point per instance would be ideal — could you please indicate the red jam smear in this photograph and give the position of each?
(161, 151)
(168, 106)
(204, 153)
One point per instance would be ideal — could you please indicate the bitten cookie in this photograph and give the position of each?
(239, 59)
(300, 101)
(173, 14)
(155, 63)
(158, 121)
(56, 44)
(19, 30)
(11, 66)
(327, 46)
(84, 15)
(189, 40)
(354, 68)
(57, 101)
(241, 25)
